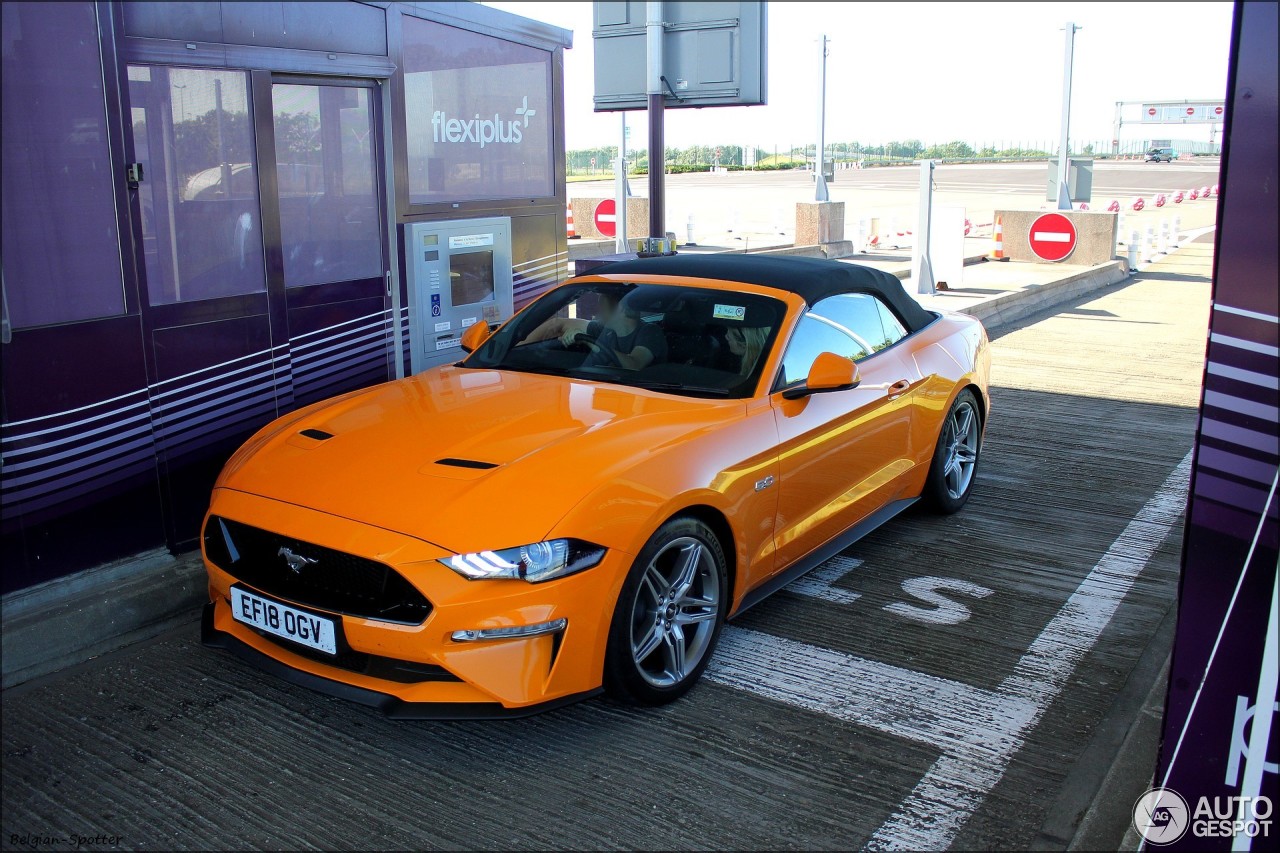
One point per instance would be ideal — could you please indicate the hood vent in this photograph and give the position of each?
(466, 463)
(317, 434)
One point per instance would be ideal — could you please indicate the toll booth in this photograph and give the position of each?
(217, 213)
(459, 275)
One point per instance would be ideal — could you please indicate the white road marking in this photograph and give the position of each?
(979, 731)
(944, 610)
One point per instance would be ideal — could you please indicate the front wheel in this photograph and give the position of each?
(955, 459)
(668, 616)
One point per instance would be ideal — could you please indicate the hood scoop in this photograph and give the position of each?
(308, 439)
(452, 468)
(467, 463)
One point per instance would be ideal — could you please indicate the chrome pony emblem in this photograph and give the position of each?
(297, 562)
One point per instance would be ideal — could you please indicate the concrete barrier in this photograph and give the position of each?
(1095, 236)
(819, 222)
(584, 217)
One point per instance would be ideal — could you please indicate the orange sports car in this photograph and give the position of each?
(581, 502)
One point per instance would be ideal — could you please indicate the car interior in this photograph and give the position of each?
(695, 325)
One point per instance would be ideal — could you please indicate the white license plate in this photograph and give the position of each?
(299, 626)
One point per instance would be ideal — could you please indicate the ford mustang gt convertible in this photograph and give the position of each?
(580, 503)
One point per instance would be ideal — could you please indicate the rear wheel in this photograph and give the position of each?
(955, 459)
(668, 616)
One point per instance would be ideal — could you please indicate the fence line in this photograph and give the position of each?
(599, 161)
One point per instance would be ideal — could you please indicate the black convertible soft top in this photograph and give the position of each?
(812, 279)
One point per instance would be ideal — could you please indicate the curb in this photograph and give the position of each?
(70, 620)
(1016, 305)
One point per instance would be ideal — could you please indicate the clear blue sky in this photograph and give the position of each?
(980, 72)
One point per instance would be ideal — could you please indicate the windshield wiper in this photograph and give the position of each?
(677, 388)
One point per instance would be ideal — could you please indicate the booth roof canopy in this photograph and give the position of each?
(495, 22)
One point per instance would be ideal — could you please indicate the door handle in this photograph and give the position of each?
(899, 388)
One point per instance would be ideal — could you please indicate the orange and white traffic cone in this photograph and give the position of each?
(568, 222)
(997, 242)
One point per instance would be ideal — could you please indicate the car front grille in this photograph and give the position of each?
(324, 578)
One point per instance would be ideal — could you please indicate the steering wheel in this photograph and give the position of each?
(581, 341)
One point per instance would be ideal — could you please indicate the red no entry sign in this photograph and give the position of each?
(1151, 111)
(606, 217)
(1052, 237)
(1191, 111)
(1217, 111)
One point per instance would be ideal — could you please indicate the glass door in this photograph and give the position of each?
(333, 249)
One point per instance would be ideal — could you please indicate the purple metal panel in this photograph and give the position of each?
(1229, 568)
(338, 347)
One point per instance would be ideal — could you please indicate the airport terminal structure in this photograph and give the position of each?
(217, 213)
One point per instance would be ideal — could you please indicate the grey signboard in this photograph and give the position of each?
(713, 54)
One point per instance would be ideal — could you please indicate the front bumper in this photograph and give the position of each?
(419, 671)
(392, 706)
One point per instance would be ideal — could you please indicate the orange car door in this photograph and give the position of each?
(842, 454)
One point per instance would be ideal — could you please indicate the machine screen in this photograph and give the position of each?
(471, 278)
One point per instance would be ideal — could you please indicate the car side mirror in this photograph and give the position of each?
(474, 336)
(830, 372)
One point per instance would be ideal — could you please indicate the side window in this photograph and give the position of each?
(894, 331)
(60, 239)
(193, 133)
(865, 317)
(816, 334)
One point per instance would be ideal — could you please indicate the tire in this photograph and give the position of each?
(955, 458)
(668, 616)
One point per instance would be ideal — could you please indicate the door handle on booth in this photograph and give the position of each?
(899, 388)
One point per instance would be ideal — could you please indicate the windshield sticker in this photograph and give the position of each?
(730, 312)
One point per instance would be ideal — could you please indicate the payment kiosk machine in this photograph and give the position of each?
(459, 274)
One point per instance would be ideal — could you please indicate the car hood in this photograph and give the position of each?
(466, 459)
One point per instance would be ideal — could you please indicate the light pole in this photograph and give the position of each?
(1064, 157)
(820, 180)
(182, 99)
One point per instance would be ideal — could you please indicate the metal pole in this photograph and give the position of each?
(820, 180)
(1064, 156)
(921, 261)
(657, 146)
(620, 190)
(1115, 130)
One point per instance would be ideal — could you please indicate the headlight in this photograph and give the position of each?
(541, 561)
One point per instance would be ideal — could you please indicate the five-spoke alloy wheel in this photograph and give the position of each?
(668, 615)
(955, 459)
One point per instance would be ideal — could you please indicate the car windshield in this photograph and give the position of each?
(679, 340)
